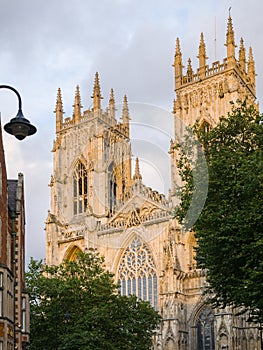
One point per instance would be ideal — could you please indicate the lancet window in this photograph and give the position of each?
(112, 189)
(80, 189)
(205, 330)
(137, 273)
(205, 127)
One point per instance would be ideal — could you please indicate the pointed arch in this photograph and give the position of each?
(137, 272)
(205, 329)
(112, 187)
(223, 336)
(191, 244)
(72, 252)
(205, 126)
(170, 344)
(80, 188)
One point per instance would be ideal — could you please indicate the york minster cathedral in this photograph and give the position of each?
(98, 202)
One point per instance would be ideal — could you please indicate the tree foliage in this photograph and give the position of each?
(230, 227)
(75, 305)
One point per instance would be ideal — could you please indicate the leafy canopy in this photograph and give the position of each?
(75, 305)
(230, 227)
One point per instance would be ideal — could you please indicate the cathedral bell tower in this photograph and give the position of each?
(207, 94)
(92, 170)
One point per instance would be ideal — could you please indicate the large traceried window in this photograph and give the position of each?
(80, 189)
(205, 330)
(137, 273)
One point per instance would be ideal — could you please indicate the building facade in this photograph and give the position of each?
(14, 304)
(98, 202)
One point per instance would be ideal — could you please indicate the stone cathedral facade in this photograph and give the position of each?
(98, 202)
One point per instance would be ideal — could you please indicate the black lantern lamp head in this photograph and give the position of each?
(19, 126)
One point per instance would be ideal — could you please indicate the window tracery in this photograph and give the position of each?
(205, 330)
(204, 127)
(80, 189)
(137, 273)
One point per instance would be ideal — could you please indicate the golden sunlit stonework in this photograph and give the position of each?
(96, 202)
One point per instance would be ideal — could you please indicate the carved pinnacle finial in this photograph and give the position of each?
(112, 104)
(189, 71)
(230, 41)
(59, 105)
(137, 175)
(242, 55)
(177, 47)
(125, 111)
(77, 106)
(202, 52)
(96, 93)
(59, 111)
(251, 68)
(178, 65)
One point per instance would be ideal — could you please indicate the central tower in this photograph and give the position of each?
(92, 168)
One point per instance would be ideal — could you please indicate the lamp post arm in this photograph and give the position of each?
(19, 126)
(17, 94)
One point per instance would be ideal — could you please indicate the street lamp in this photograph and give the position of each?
(19, 126)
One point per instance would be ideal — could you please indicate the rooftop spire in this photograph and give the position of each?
(59, 111)
(112, 104)
(202, 56)
(178, 65)
(242, 55)
(230, 42)
(137, 175)
(77, 106)
(251, 69)
(125, 111)
(126, 116)
(96, 93)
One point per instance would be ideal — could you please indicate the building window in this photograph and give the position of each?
(1, 293)
(112, 188)
(80, 189)
(204, 127)
(113, 193)
(205, 330)
(23, 314)
(137, 273)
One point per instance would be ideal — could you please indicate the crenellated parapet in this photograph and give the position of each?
(206, 92)
(107, 116)
(245, 68)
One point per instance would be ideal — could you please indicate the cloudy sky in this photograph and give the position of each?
(53, 43)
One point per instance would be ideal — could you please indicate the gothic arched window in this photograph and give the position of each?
(112, 189)
(80, 189)
(137, 273)
(205, 330)
(204, 127)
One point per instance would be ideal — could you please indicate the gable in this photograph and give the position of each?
(138, 211)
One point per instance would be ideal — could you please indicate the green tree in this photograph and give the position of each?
(229, 229)
(75, 305)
